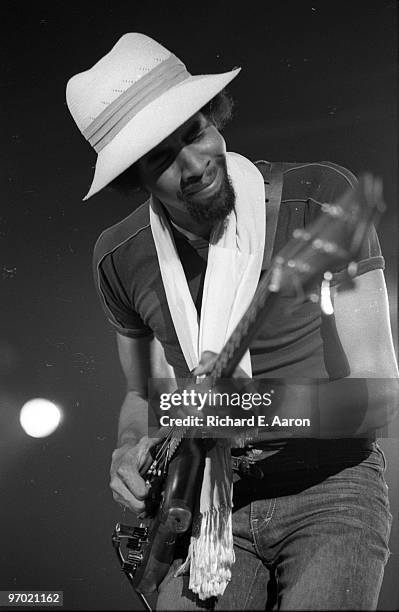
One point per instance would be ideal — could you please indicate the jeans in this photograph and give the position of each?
(314, 537)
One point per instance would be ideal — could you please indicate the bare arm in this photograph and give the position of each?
(134, 355)
(141, 358)
(362, 320)
(367, 399)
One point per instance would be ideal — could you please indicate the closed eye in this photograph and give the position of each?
(196, 132)
(197, 136)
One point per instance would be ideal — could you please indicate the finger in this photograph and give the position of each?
(139, 458)
(153, 442)
(144, 461)
(133, 481)
(206, 363)
(123, 496)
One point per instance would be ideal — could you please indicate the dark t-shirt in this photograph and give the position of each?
(301, 344)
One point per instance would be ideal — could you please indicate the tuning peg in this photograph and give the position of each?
(314, 297)
(348, 283)
(276, 275)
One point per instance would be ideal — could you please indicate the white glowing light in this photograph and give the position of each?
(39, 417)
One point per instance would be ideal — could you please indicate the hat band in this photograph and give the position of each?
(118, 113)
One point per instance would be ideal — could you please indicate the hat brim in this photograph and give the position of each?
(154, 123)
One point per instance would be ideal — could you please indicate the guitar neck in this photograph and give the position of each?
(246, 330)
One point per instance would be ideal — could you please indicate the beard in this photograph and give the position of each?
(218, 206)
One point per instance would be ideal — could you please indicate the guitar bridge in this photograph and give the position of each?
(129, 544)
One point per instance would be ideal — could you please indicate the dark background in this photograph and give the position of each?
(318, 82)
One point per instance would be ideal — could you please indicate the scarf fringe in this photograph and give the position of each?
(211, 554)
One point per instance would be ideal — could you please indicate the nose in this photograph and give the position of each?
(192, 165)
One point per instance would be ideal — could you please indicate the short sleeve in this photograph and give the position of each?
(115, 301)
(369, 257)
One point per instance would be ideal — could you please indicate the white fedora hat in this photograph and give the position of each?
(132, 99)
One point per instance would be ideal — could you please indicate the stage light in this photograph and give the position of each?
(40, 417)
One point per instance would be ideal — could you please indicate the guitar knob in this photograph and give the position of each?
(178, 520)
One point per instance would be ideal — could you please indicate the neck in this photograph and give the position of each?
(186, 222)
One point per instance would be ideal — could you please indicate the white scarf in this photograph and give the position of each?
(233, 269)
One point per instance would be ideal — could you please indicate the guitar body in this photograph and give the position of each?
(151, 547)
(158, 550)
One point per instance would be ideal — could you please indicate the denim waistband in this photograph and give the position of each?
(300, 454)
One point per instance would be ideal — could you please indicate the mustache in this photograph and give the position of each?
(217, 207)
(193, 185)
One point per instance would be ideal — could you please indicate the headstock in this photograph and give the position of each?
(332, 242)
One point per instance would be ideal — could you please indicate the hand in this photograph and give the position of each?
(129, 461)
(206, 363)
(217, 404)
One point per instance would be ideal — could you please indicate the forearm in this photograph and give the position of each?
(133, 419)
(347, 407)
(132, 458)
(357, 405)
(362, 320)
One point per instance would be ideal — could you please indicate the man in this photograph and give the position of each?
(311, 516)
